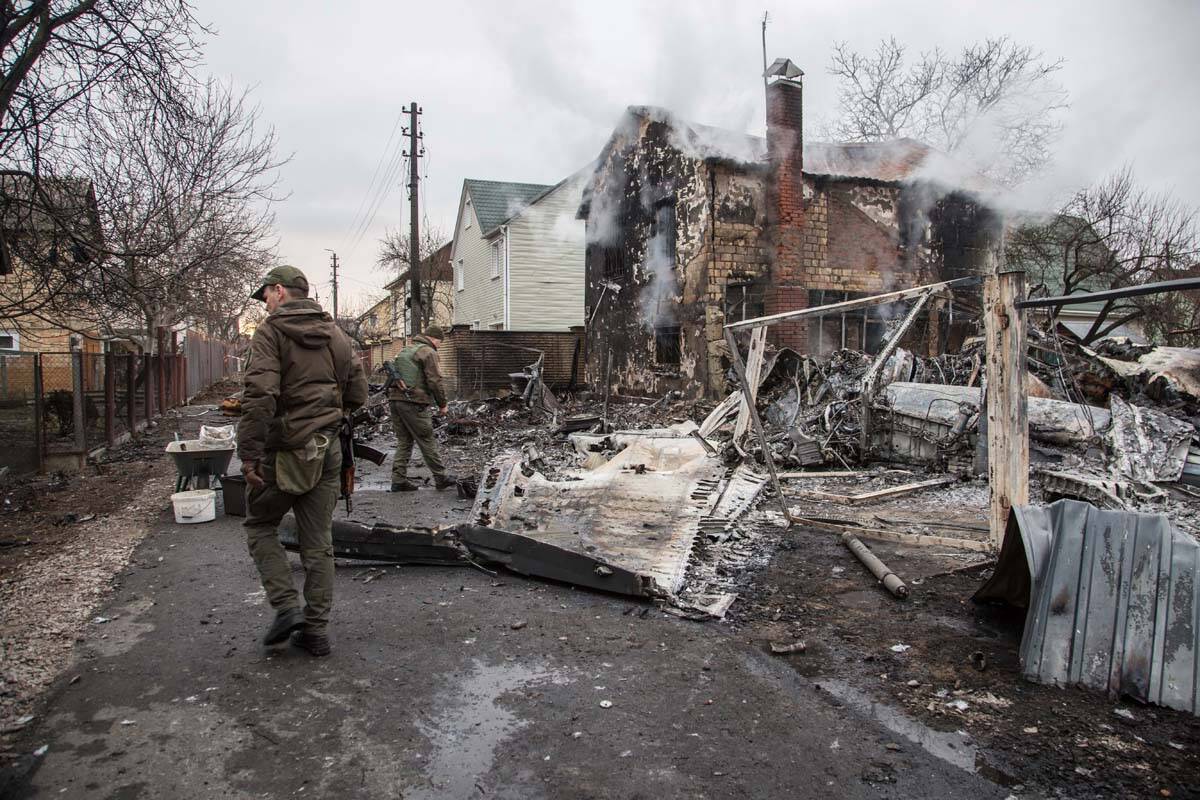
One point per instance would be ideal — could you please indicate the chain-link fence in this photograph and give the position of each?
(70, 404)
(19, 412)
(58, 403)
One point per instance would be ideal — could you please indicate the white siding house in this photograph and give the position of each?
(519, 256)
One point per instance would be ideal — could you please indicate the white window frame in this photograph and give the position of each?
(469, 214)
(460, 282)
(475, 325)
(497, 257)
(16, 337)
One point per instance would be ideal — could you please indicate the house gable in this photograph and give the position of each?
(478, 298)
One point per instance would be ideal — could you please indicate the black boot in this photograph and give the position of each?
(315, 644)
(404, 486)
(444, 481)
(286, 621)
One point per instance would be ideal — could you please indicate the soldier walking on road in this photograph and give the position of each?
(419, 386)
(301, 378)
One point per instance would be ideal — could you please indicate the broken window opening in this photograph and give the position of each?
(663, 229)
(668, 347)
(744, 301)
(862, 329)
(614, 264)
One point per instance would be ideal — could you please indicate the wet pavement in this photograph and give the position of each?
(445, 683)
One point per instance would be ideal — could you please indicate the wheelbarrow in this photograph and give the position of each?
(198, 461)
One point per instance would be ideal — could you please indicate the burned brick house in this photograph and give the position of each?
(690, 227)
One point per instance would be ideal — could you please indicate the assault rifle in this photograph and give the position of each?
(394, 381)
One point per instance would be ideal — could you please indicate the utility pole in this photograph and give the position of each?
(333, 256)
(415, 151)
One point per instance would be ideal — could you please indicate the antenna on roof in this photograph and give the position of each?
(766, 18)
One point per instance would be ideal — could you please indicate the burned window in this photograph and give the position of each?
(862, 329)
(744, 301)
(668, 350)
(614, 265)
(662, 231)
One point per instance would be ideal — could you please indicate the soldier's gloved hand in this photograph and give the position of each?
(252, 472)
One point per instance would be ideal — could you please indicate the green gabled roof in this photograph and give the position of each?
(497, 201)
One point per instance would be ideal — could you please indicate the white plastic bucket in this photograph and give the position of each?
(197, 505)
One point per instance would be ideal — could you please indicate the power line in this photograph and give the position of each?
(381, 192)
(385, 191)
(383, 156)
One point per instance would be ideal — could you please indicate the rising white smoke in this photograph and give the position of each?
(657, 300)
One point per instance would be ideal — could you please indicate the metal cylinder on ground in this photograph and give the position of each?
(890, 580)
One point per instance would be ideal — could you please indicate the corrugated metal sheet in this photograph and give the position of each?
(1112, 598)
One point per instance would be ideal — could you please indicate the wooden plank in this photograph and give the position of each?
(914, 539)
(849, 305)
(740, 368)
(894, 491)
(754, 363)
(841, 473)
(1007, 413)
(933, 523)
(718, 415)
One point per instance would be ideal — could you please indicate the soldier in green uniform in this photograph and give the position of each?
(420, 386)
(302, 376)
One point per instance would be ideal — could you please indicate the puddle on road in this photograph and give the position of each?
(470, 726)
(951, 747)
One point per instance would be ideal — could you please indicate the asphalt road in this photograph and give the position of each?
(444, 683)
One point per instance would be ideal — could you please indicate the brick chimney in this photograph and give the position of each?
(785, 208)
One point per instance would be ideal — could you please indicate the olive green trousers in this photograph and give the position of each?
(413, 424)
(265, 508)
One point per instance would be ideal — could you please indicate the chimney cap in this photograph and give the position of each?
(783, 68)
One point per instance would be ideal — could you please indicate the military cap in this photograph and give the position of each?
(290, 277)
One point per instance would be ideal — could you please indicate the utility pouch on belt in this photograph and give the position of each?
(298, 471)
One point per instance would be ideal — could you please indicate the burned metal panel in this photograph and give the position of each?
(1112, 600)
(1147, 445)
(641, 510)
(382, 542)
(531, 556)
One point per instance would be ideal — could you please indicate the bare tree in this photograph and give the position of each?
(183, 203)
(1112, 235)
(364, 329)
(995, 104)
(436, 277)
(60, 57)
(172, 219)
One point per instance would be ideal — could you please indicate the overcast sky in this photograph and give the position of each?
(525, 91)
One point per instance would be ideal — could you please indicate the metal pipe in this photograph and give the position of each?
(890, 580)
(1181, 285)
(850, 305)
